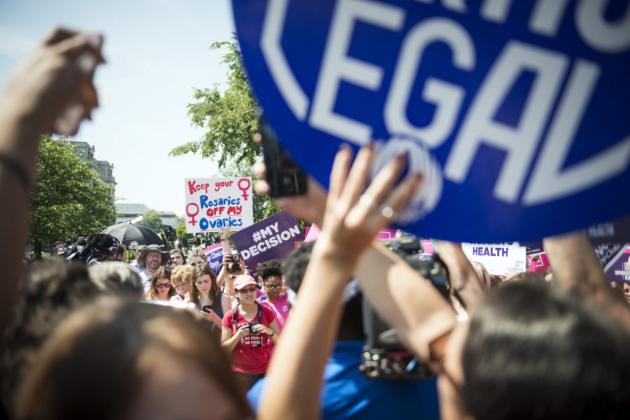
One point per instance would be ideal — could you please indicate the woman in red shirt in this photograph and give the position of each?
(248, 331)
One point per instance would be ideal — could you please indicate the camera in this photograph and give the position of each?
(252, 328)
(384, 356)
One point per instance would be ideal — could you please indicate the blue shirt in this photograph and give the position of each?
(348, 394)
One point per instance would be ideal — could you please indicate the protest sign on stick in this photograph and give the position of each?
(269, 239)
(214, 204)
(515, 111)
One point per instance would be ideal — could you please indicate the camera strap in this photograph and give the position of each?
(235, 314)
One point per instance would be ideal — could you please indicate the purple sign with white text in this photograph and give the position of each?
(270, 239)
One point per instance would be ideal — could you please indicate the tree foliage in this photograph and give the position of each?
(230, 121)
(229, 117)
(152, 219)
(69, 199)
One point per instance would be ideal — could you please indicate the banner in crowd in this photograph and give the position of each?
(515, 111)
(269, 239)
(215, 204)
(499, 259)
(214, 254)
(618, 269)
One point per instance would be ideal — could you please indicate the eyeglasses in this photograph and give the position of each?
(273, 286)
(163, 285)
(250, 290)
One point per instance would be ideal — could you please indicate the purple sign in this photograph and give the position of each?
(270, 239)
(215, 256)
(618, 269)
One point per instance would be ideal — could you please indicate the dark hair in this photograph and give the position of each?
(214, 289)
(527, 276)
(295, 265)
(178, 251)
(161, 273)
(115, 277)
(50, 291)
(294, 268)
(270, 269)
(536, 352)
(94, 365)
(99, 247)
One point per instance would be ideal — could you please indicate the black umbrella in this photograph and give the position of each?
(132, 232)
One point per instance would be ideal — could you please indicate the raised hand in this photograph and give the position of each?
(355, 213)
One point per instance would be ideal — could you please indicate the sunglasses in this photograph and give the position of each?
(249, 290)
(273, 286)
(163, 285)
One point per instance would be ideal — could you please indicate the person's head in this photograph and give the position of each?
(151, 258)
(121, 254)
(351, 325)
(178, 257)
(182, 279)
(526, 276)
(245, 287)
(132, 360)
(536, 352)
(101, 247)
(139, 253)
(50, 290)
(626, 291)
(161, 288)
(205, 285)
(117, 278)
(166, 262)
(271, 275)
(58, 249)
(198, 259)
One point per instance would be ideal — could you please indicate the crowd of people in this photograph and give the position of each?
(167, 336)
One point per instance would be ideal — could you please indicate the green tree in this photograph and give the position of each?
(152, 219)
(230, 121)
(69, 199)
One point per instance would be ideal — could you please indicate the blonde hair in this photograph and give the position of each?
(184, 274)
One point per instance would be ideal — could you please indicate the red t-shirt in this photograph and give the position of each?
(251, 354)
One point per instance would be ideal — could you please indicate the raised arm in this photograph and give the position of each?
(30, 103)
(352, 219)
(576, 268)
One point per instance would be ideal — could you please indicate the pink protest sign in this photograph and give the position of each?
(538, 262)
(214, 204)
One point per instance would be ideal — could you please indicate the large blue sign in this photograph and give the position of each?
(517, 111)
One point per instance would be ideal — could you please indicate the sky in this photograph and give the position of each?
(157, 53)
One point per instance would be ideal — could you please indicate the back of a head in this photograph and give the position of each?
(51, 290)
(117, 278)
(96, 365)
(536, 352)
(351, 323)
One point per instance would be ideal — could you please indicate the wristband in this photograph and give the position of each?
(17, 169)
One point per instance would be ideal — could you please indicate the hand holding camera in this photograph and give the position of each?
(243, 331)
